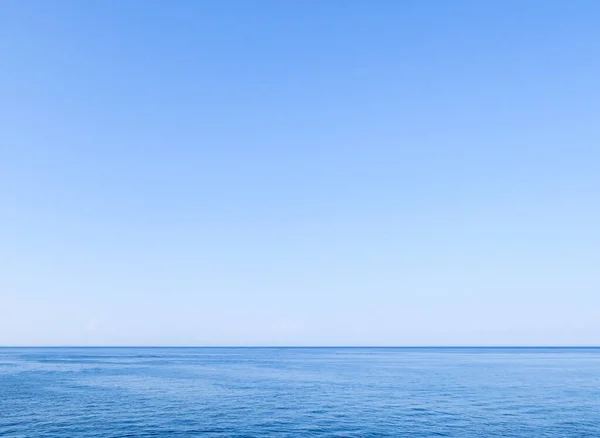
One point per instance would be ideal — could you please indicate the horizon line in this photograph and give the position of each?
(300, 346)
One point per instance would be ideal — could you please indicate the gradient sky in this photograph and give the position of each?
(300, 172)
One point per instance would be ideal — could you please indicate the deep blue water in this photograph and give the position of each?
(299, 392)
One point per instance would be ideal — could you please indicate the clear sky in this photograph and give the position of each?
(300, 172)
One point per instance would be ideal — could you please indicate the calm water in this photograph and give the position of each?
(299, 392)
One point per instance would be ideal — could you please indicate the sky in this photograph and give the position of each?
(299, 172)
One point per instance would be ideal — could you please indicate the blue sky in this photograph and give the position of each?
(299, 173)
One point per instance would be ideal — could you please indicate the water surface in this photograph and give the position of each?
(300, 392)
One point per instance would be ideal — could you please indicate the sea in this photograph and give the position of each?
(300, 392)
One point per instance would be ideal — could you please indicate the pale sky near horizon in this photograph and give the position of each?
(300, 172)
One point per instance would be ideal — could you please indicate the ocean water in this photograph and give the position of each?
(300, 392)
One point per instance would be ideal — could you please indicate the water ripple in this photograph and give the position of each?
(320, 392)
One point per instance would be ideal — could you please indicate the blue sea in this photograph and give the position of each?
(300, 392)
